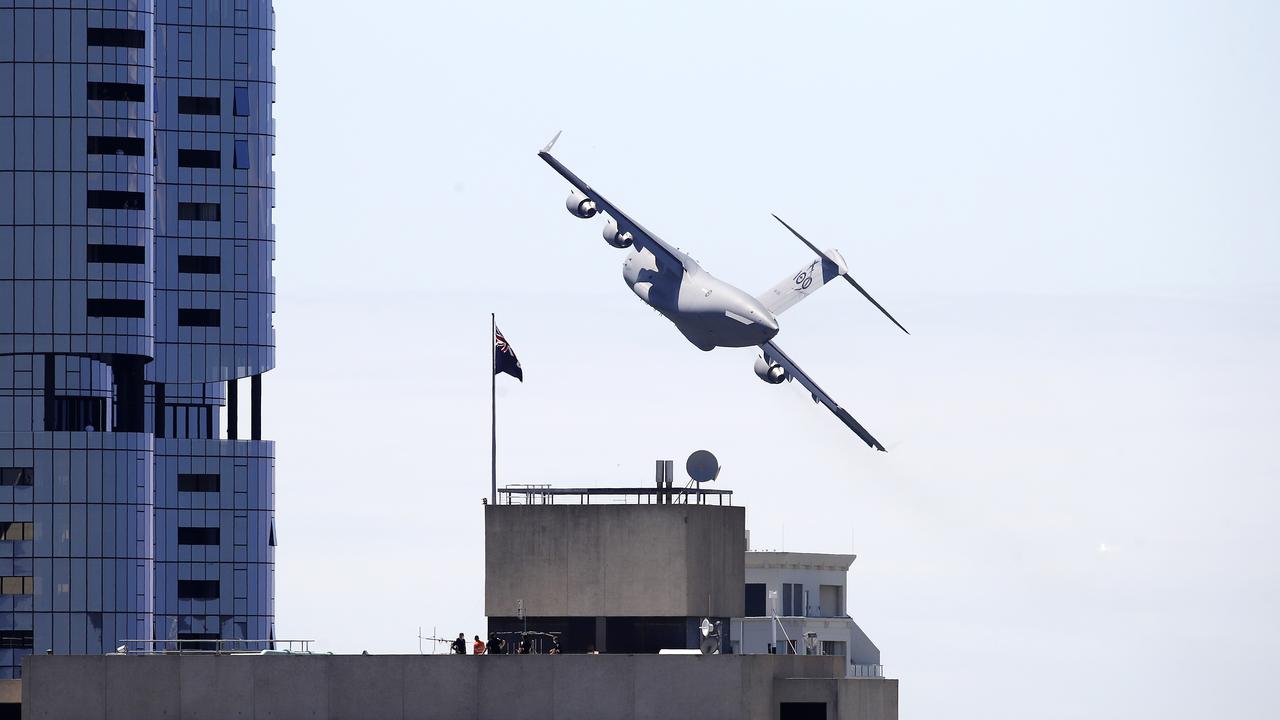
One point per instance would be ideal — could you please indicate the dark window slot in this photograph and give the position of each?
(128, 92)
(199, 317)
(129, 254)
(802, 711)
(96, 307)
(107, 145)
(190, 105)
(211, 212)
(198, 642)
(16, 639)
(198, 589)
(117, 200)
(116, 37)
(198, 482)
(199, 158)
(17, 476)
(200, 264)
(755, 600)
(198, 536)
(77, 414)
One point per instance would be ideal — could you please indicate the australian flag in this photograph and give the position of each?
(504, 358)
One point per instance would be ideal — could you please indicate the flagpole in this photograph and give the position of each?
(493, 409)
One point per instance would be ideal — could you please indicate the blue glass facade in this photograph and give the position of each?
(136, 296)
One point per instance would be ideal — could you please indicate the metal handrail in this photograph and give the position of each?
(221, 646)
(546, 495)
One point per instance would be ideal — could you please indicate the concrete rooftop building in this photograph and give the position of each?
(799, 602)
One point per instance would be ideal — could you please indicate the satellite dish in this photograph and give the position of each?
(710, 643)
(702, 466)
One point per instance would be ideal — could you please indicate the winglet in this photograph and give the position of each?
(547, 149)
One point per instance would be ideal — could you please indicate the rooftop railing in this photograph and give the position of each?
(214, 646)
(865, 671)
(548, 495)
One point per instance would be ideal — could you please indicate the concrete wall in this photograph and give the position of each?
(614, 560)
(320, 687)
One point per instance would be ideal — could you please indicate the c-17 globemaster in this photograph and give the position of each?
(708, 311)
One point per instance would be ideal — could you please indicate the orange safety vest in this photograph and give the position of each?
(477, 648)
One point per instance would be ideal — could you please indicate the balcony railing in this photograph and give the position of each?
(214, 646)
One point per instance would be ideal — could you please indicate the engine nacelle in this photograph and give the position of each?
(613, 237)
(771, 373)
(580, 205)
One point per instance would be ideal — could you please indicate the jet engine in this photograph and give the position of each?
(771, 373)
(613, 237)
(580, 205)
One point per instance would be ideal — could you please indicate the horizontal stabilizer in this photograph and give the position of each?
(835, 257)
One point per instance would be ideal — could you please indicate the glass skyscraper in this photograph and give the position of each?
(136, 292)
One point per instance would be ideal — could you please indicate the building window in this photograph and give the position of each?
(17, 476)
(199, 211)
(199, 158)
(198, 482)
(199, 317)
(793, 599)
(197, 589)
(198, 536)
(755, 602)
(109, 145)
(17, 585)
(116, 37)
(189, 105)
(128, 92)
(76, 413)
(200, 264)
(242, 154)
(802, 711)
(127, 254)
(102, 307)
(241, 105)
(117, 200)
(17, 530)
(15, 639)
(202, 642)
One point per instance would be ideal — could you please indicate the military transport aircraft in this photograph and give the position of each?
(710, 312)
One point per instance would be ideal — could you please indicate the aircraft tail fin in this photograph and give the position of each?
(803, 282)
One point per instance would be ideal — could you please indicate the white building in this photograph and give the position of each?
(800, 598)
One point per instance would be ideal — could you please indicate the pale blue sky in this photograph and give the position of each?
(1073, 207)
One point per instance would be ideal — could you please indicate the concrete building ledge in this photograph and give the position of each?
(605, 687)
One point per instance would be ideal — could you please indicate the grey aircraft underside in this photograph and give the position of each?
(709, 312)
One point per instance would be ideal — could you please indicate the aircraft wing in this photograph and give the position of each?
(774, 353)
(642, 238)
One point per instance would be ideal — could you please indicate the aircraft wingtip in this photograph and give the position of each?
(547, 149)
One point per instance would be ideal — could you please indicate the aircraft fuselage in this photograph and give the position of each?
(709, 312)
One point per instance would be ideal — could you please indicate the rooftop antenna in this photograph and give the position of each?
(702, 467)
(431, 638)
